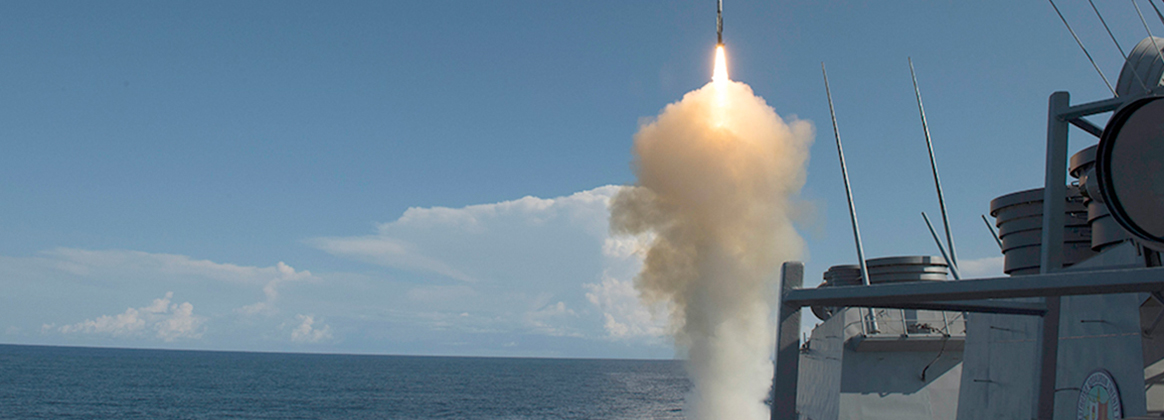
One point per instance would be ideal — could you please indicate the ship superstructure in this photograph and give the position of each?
(1074, 330)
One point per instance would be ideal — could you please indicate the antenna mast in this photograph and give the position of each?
(1117, 43)
(1158, 14)
(1077, 41)
(953, 268)
(848, 194)
(992, 232)
(934, 166)
(1149, 31)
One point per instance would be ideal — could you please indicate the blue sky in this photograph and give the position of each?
(430, 177)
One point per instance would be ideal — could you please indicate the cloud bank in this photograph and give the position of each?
(552, 261)
(163, 319)
(531, 276)
(308, 332)
(58, 286)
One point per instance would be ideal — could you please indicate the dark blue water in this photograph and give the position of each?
(90, 383)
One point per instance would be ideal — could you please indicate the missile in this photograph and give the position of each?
(719, 22)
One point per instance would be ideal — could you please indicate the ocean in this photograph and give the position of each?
(38, 382)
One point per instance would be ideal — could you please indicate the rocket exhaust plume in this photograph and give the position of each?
(719, 174)
(719, 75)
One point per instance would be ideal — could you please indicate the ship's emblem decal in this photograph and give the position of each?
(1099, 398)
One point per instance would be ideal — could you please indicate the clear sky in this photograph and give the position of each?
(431, 177)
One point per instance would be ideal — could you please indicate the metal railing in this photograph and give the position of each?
(910, 322)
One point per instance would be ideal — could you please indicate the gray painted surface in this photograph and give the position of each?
(1155, 394)
(785, 374)
(1062, 283)
(837, 381)
(1122, 255)
(1143, 68)
(1102, 320)
(1150, 310)
(1100, 332)
(998, 368)
(1103, 332)
(998, 374)
(820, 368)
(888, 385)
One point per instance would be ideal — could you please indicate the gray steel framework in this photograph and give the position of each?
(978, 295)
(955, 295)
(991, 295)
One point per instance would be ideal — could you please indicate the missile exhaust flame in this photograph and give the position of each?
(720, 74)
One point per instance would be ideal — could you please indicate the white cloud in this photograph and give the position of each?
(161, 318)
(91, 263)
(118, 267)
(479, 275)
(623, 313)
(391, 253)
(271, 290)
(50, 291)
(626, 246)
(534, 265)
(450, 242)
(545, 319)
(182, 323)
(308, 332)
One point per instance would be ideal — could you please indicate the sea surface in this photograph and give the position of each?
(39, 382)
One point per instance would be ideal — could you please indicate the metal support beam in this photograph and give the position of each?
(1054, 202)
(977, 295)
(965, 295)
(786, 375)
(1068, 112)
(976, 306)
(1054, 184)
(1087, 126)
(1064, 283)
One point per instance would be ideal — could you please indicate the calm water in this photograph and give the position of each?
(90, 383)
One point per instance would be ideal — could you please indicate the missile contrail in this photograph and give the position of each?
(719, 22)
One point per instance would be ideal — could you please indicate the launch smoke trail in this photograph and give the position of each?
(719, 173)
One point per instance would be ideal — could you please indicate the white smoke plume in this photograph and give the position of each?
(719, 173)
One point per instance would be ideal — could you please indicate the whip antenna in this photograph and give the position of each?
(953, 260)
(934, 233)
(1104, 22)
(1149, 31)
(1117, 43)
(848, 193)
(1158, 14)
(845, 176)
(992, 232)
(1077, 41)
